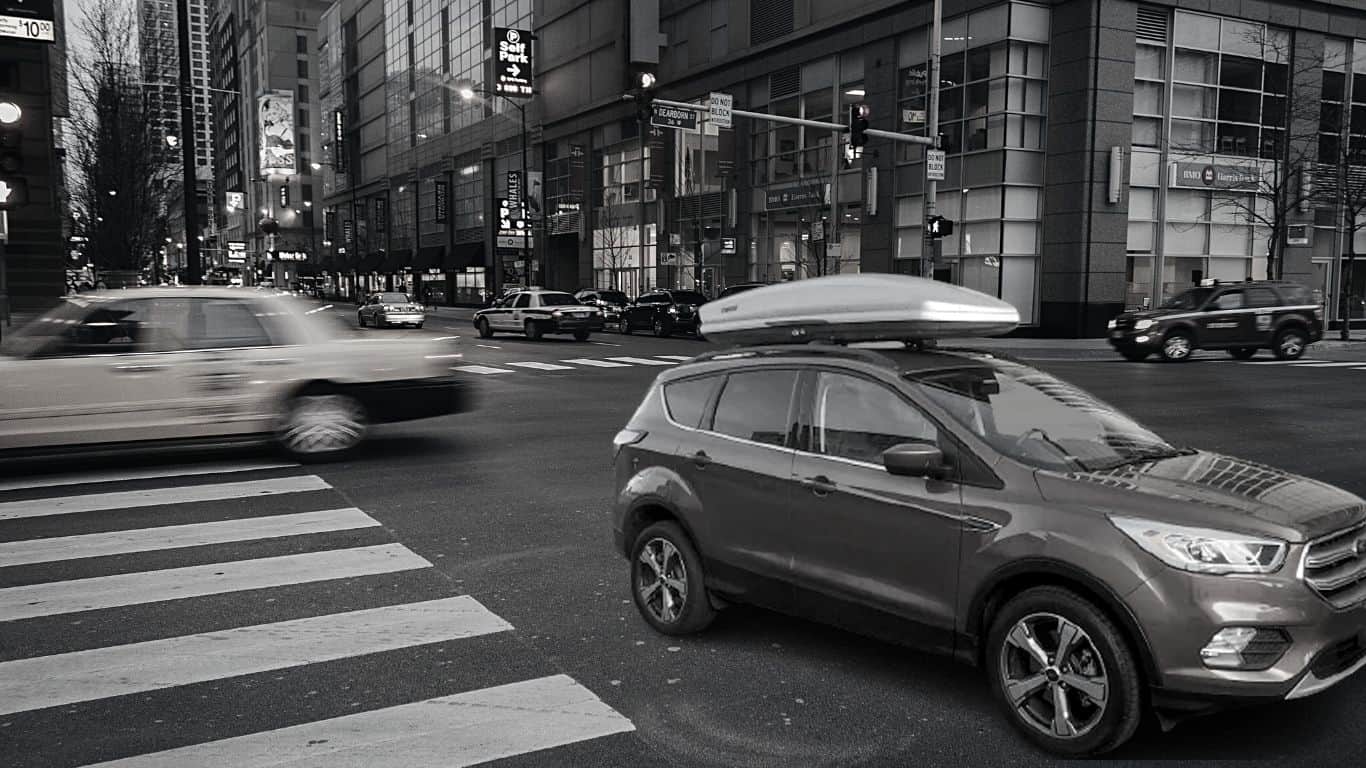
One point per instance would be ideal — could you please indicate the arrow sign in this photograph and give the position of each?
(512, 65)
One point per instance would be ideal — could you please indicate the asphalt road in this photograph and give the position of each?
(509, 505)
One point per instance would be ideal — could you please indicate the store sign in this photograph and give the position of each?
(442, 201)
(795, 197)
(290, 256)
(348, 231)
(513, 230)
(727, 246)
(514, 186)
(665, 116)
(33, 20)
(237, 251)
(1210, 176)
(512, 62)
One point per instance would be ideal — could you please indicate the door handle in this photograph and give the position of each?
(819, 485)
(139, 368)
(701, 460)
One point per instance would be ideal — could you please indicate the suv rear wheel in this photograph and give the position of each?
(666, 581)
(1290, 343)
(1064, 672)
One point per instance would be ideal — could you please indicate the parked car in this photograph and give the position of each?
(612, 303)
(165, 365)
(739, 288)
(664, 313)
(1240, 318)
(387, 308)
(536, 312)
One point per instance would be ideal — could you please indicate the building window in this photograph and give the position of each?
(303, 68)
(303, 118)
(301, 43)
(303, 93)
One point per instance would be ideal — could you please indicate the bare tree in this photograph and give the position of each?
(611, 248)
(120, 174)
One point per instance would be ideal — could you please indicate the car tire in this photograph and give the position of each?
(1100, 661)
(659, 551)
(1177, 347)
(625, 327)
(532, 330)
(1243, 353)
(1290, 344)
(581, 335)
(663, 328)
(1135, 355)
(482, 326)
(418, 326)
(322, 425)
(360, 319)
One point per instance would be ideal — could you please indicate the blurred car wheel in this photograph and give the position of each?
(321, 426)
(485, 331)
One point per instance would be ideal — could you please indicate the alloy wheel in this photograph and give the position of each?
(1292, 344)
(662, 580)
(1053, 676)
(323, 424)
(1177, 347)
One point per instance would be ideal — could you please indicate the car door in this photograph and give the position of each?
(1221, 322)
(1259, 321)
(865, 542)
(96, 373)
(737, 463)
(513, 319)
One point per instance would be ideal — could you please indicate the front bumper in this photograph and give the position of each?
(1181, 611)
(687, 324)
(408, 399)
(1146, 339)
(402, 318)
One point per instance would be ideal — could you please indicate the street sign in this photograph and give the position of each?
(512, 62)
(913, 116)
(13, 194)
(720, 106)
(28, 20)
(934, 164)
(665, 116)
(1297, 234)
(727, 246)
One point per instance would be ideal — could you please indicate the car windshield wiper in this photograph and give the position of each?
(1055, 445)
(1144, 458)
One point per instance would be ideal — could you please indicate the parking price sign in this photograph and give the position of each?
(28, 20)
(512, 63)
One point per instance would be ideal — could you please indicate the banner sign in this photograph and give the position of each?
(275, 120)
(381, 215)
(1209, 176)
(442, 201)
(339, 141)
(512, 62)
(236, 201)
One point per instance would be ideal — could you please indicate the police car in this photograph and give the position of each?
(536, 312)
(1240, 318)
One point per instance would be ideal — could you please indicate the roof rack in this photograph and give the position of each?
(795, 350)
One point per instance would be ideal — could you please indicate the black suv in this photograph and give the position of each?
(664, 312)
(1238, 317)
(975, 506)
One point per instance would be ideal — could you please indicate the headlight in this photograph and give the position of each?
(1141, 324)
(387, 308)
(1202, 550)
(1112, 325)
(558, 313)
(673, 310)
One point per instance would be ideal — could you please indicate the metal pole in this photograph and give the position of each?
(190, 208)
(4, 273)
(526, 180)
(640, 225)
(932, 122)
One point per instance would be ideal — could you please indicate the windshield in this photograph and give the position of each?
(1038, 420)
(394, 298)
(558, 300)
(1192, 299)
(615, 297)
(689, 297)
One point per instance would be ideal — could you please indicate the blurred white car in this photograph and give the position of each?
(387, 308)
(173, 364)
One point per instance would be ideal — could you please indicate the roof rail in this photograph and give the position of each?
(796, 350)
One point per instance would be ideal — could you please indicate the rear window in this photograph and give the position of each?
(558, 300)
(614, 296)
(687, 400)
(394, 298)
(689, 297)
(754, 406)
(1297, 294)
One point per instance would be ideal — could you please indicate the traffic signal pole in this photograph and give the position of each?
(931, 244)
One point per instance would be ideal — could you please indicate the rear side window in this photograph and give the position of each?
(1297, 295)
(687, 400)
(754, 406)
(1261, 297)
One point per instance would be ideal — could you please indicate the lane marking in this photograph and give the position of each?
(59, 597)
(596, 363)
(178, 536)
(445, 338)
(98, 502)
(1328, 364)
(487, 346)
(452, 731)
(642, 361)
(679, 358)
(604, 343)
(142, 474)
(543, 366)
(482, 370)
(67, 678)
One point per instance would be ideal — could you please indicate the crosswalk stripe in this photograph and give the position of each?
(67, 678)
(452, 731)
(142, 474)
(641, 361)
(596, 363)
(98, 502)
(1328, 364)
(679, 358)
(56, 548)
(543, 366)
(482, 370)
(124, 589)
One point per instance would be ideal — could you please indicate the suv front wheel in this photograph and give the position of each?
(1064, 672)
(666, 581)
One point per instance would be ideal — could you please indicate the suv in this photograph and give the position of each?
(611, 302)
(1238, 317)
(971, 505)
(664, 312)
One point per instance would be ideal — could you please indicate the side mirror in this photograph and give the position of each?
(915, 460)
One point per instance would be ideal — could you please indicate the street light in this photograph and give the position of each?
(10, 113)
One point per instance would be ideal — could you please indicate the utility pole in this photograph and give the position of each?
(931, 244)
(193, 269)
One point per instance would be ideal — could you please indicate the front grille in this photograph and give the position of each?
(1338, 657)
(1336, 568)
(1124, 324)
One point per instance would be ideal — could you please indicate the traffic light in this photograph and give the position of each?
(13, 187)
(858, 124)
(284, 195)
(940, 226)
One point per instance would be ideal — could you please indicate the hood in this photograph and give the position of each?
(1210, 490)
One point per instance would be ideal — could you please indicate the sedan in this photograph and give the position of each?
(384, 309)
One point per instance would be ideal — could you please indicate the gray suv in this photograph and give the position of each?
(970, 505)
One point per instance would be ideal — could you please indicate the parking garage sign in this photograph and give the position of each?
(512, 62)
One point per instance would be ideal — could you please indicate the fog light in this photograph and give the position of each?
(1142, 339)
(1249, 648)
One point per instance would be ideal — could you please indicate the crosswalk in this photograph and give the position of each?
(575, 364)
(1358, 365)
(262, 581)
